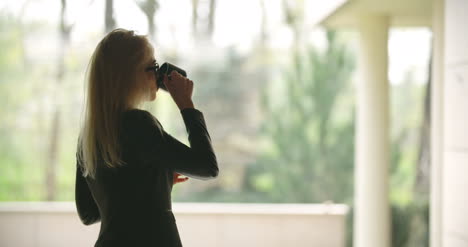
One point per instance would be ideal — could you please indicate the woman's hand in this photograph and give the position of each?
(177, 179)
(180, 88)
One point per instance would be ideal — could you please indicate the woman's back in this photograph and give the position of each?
(133, 202)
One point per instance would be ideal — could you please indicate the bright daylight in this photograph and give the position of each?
(218, 123)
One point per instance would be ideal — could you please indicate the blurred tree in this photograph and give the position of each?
(211, 15)
(109, 21)
(55, 130)
(149, 8)
(419, 224)
(12, 64)
(203, 25)
(312, 150)
(264, 35)
(421, 185)
(293, 11)
(195, 17)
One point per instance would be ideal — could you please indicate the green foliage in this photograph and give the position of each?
(406, 120)
(10, 150)
(312, 158)
(27, 89)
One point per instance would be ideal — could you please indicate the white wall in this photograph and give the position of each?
(454, 191)
(234, 225)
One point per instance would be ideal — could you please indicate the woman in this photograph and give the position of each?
(126, 162)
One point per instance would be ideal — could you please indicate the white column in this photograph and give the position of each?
(437, 120)
(372, 214)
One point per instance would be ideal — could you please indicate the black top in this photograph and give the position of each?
(133, 202)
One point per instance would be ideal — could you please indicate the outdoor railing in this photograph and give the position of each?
(37, 224)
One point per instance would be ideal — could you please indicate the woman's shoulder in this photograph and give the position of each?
(137, 114)
(139, 117)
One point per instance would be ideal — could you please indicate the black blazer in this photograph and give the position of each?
(133, 202)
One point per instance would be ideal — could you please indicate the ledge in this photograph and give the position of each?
(196, 208)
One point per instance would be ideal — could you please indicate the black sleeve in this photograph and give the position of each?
(154, 146)
(84, 200)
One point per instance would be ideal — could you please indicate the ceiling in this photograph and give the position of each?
(401, 12)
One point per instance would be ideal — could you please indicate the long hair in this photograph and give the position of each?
(114, 84)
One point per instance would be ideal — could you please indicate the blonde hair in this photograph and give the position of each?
(114, 85)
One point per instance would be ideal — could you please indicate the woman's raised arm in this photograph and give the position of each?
(154, 146)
